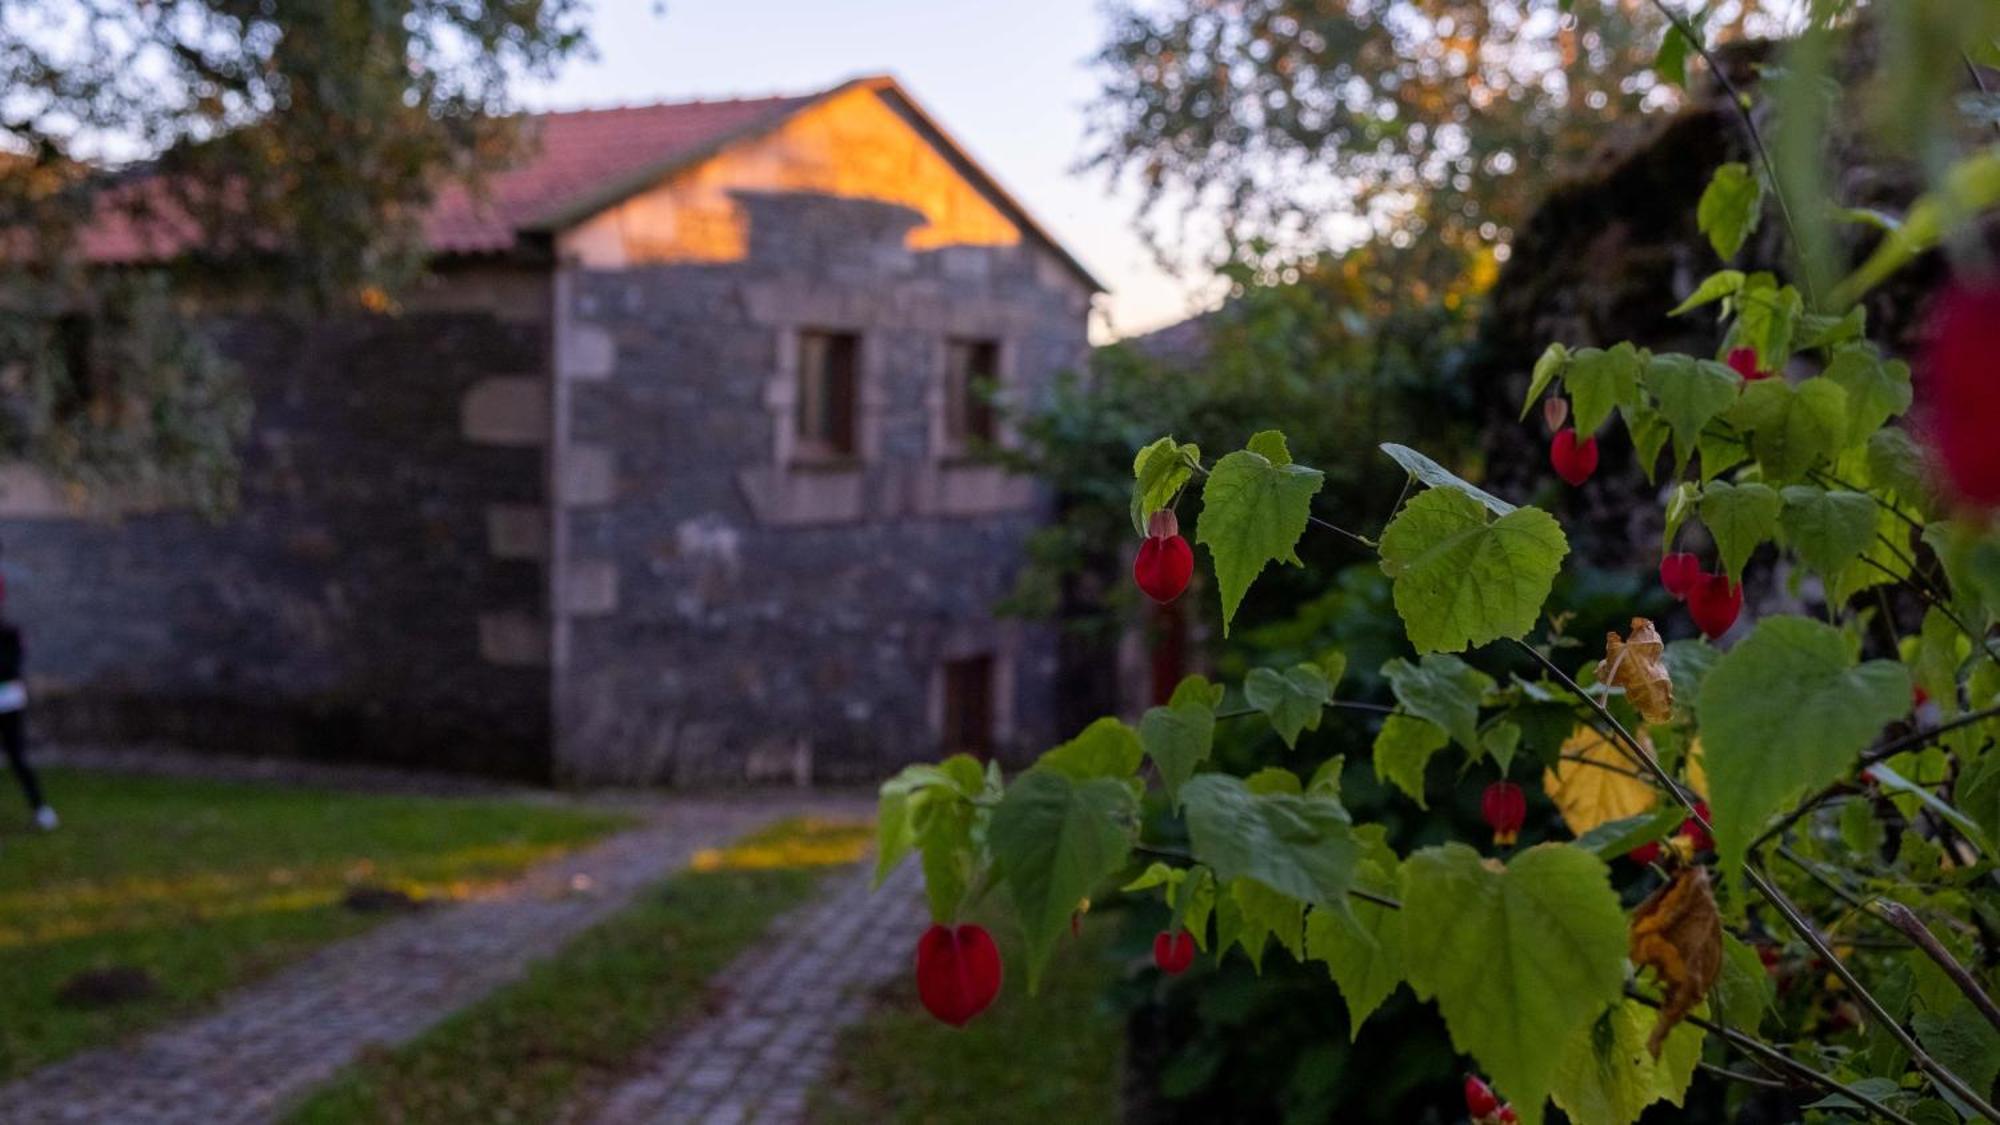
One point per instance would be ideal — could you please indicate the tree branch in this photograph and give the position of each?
(1906, 920)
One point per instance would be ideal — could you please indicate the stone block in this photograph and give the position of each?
(591, 588)
(587, 474)
(506, 410)
(517, 531)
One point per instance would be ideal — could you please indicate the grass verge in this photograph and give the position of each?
(577, 1018)
(1054, 1056)
(203, 885)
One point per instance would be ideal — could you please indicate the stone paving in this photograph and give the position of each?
(758, 1057)
(276, 1039)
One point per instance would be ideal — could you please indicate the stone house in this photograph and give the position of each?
(666, 474)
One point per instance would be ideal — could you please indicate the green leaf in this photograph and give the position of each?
(1606, 1076)
(1106, 748)
(1600, 379)
(1614, 838)
(930, 808)
(1978, 792)
(1443, 689)
(1962, 1041)
(1403, 747)
(1179, 736)
(1293, 699)
(1325, 780)
(1649, 435)
(1054, 840)
(1739, 517)
(1719, 453)
(1190, 895)
(1714, 287)
(1877, 390)
(1784, 711)
(1363, 950)
(1460, 580)
(1300, 846)
(1819, 331)
(1158, 473)
(1767, 314)
(1680, 506)
(1691, 393)
(1435, 475)
(1688, 663)
(1332, 665)
(1792, 429)
(1730, 207)
(1270, 445)
(1894, 782)
(1670, 62)
(1518, 958)
(1253, 511)
(1274, 779)
(1547, 368)
(1895, 463)
(1259, 915)
(1828, 529)
(1744, 992)
(1500, 741)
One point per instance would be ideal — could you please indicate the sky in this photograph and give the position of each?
(1009, 80)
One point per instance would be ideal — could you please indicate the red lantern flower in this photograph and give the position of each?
(1678, 573)
(1173, 952)
(1958, 389)
(1743, 361)
(958, 972)
(1714, 602)
(1479, 1099)
(1505, 809)
(1573, 460)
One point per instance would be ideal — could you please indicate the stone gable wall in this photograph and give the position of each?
(732, 616)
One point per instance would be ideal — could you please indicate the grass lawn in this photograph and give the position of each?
(1054, 1056)
(205, 884)
(577, 1018)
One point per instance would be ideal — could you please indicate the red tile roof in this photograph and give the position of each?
(567, 158)
(572, 166)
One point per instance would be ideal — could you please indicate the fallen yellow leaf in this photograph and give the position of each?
(1594, 783)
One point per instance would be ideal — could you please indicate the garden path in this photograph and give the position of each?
(757, 1057)
(278, 1038)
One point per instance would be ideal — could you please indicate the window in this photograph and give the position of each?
(828, 371)
(971, 368)
(968, 706)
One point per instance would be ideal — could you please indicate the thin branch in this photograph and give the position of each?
(1727, 1074)
(1763, 1051)
(1742, 108)
(1880, 753)
(1906, 920)
(1639, 753)
(1805, 929)
(1334, 704)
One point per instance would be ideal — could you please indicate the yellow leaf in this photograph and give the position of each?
(1594, 783)
(1678, 934)
(1693, 771)
(1639, 666)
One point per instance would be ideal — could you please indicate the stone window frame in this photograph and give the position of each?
(781, 398)
(937, 396)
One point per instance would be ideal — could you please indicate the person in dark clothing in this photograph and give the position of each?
(14, 724)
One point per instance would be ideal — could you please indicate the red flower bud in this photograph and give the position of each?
(1648, 852)
(1743, 361)
(1574, 461)
(1679, 572)
(1507, 1116)
(1504, 808)
(1713, 602)
(1479, 1099)
(958, 972)
(1163, 567)
(1555, 411)
(1692, 829)
(1173, 952)
(1958, 397)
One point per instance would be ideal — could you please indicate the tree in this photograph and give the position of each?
(290, 145)
(1293, 127)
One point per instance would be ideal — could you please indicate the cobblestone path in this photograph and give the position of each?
(760, 1054)
(275, 1039)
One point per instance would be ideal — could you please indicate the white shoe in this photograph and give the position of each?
(46, 819)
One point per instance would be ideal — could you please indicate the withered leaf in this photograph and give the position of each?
(1678, 933)
(1639, 666)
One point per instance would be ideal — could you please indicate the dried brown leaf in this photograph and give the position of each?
(1639, 666)
(1678, 933)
